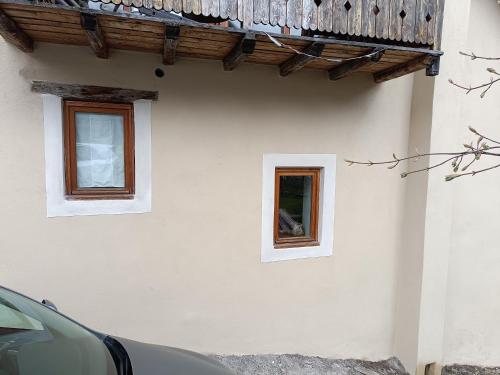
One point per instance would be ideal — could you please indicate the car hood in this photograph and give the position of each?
(149, 359)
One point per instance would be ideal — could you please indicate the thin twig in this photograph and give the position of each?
(475, 57)
(473, 173)
(472, 88)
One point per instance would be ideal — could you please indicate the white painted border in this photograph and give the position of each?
(57, 204)
(326, 205)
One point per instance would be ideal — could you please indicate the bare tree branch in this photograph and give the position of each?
(485, 86)
(472, 153)
(473, 56)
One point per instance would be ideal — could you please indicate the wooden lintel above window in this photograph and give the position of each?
(92, 93)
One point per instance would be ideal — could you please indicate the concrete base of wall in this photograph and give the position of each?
(470, 370)
(294, 364)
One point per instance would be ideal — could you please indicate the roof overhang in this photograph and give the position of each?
(23, 22)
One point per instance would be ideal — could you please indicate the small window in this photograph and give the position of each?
(99, 150)
(296, 207)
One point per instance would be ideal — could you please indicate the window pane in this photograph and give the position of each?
(295, 197)
(99, 150)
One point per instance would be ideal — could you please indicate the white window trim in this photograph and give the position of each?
(57, 204)
(327, 163)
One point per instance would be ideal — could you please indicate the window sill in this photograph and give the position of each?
(289, 245)
(97, 197)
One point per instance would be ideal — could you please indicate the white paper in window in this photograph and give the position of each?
(99, 150)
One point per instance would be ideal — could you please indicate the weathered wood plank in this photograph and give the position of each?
(13, 34)
(354, 17)
(277, 12)
(349, 67)
(395, 20)
(168, 5)
(94, 35)
(240, 52)
(170, 44)
(408, 30)
(431, 22)
(260, 11)
(294, 13)
(233, 9)
(382, 21)
(224, 8)
(368, 18)
(177, 6)
(247, 14)
(339, 17)
(438, 27)
(187, 5)
(420, 21)
(137, 3)
(309, 15)
(297, 62)
(325, 16)
(97, 93)
(402, 69)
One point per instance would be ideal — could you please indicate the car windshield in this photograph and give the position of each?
(34, 340)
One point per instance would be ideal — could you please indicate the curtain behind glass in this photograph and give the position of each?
(99, 150)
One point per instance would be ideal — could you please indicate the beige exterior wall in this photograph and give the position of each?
(189, 273)
(414, 270)
(472, 334)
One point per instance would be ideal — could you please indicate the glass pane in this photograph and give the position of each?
(295, 198)
(35, 340)
(99, 150)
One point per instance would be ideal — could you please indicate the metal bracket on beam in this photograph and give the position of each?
(432, 69)
(95, 37)
(170, 44)
(240, 52)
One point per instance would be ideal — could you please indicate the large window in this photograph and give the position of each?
(99, 150)
(296, 207)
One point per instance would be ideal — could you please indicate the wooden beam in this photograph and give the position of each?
(13, 34)
(130, 18)
(351, 66)
(92, 93)
(403, 69)
(170, 44)
(240, 52)
(95, 36)
(298, 61)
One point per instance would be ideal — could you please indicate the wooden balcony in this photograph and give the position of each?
(386, 38)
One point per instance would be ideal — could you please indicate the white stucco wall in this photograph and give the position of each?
(472, 334)
(189, 273)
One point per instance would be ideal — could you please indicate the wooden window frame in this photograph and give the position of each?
(71, 107)
(312, 240)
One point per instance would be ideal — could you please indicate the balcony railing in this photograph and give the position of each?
(407, 21)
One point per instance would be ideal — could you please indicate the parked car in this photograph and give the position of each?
(35, 339)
